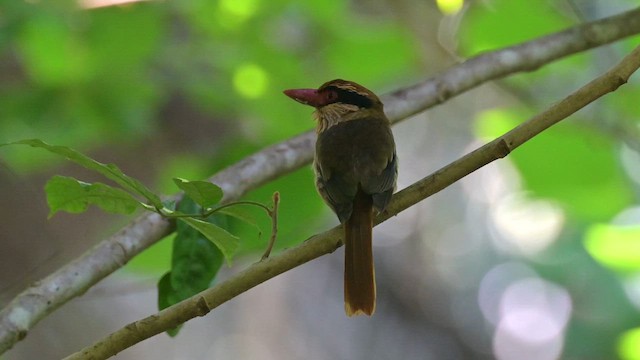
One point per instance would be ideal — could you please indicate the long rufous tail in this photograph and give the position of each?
(359, 276)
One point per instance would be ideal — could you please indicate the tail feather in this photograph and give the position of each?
(359, 277)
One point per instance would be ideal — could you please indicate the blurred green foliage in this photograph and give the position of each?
(100, 78)
(580, 167)
(507, 23)
(628, 345)
(615, 246)
(577, 164)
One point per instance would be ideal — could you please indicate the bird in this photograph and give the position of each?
(356, 168)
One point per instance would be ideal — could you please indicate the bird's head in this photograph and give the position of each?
(336, 101)
(335, 92)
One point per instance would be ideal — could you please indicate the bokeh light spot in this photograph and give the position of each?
(628, 348)
(234, 12)
(615, 246)
(533, 316)
(527, 225)
(250, 81)
(449, 7)
(495, 282)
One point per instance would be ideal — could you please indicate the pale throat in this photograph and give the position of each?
(332, 114)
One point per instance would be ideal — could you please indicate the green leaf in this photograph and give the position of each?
(195, 262)
(110, 171)
(74, 196)
(204, 193)
(167, 296)
(226, 242)
(236, 211)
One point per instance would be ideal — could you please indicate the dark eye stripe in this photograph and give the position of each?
(353, 98)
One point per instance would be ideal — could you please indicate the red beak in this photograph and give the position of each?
(306, 96)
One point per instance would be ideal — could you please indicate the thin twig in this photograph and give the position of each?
(241, 202)
(274, 226)
(208, 212)
(328, 241)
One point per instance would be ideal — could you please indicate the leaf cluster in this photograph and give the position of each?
(202, 241)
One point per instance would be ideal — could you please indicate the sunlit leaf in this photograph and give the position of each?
(204, 193)
(110, 171)
(226, 242)
(74, 196)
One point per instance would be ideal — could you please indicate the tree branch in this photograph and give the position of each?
(327, 242)
(74, 279)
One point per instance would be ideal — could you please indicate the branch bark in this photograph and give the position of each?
(327, 242)
(42, 298)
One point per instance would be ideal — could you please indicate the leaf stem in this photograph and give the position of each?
(274, 226)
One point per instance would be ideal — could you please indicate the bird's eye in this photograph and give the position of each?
(332, 96)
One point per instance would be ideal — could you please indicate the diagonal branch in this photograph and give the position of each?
(327, 242)
(42, 298)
